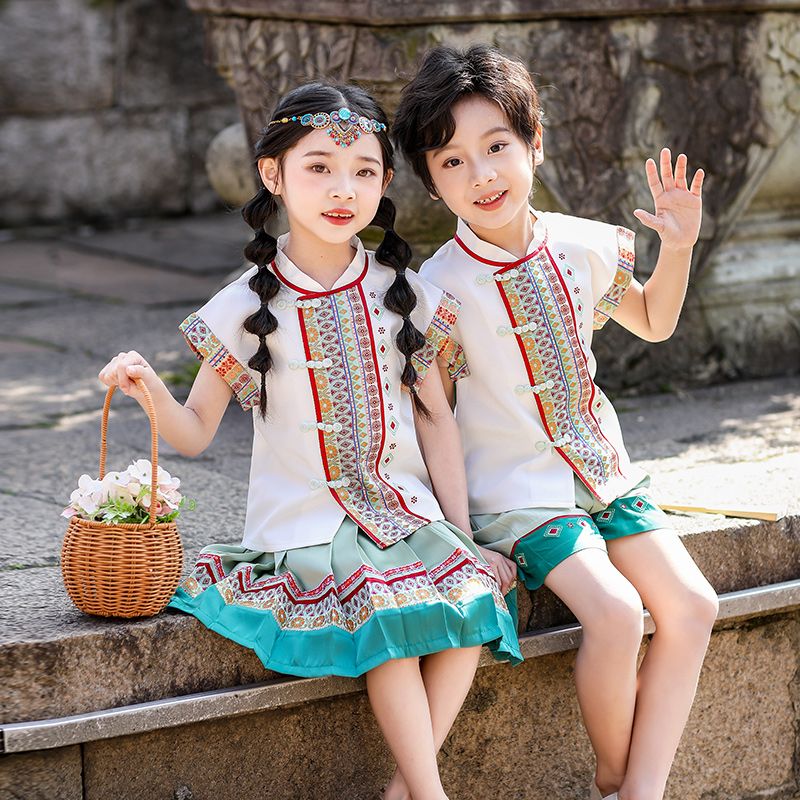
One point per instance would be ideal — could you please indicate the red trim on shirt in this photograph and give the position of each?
(586, 367)
(321, 434)
(532, 380)
(318, 409)
(525, 360)
(504, 264)
(311, 294)
(383, 415)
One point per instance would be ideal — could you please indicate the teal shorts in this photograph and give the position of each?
(539, 539)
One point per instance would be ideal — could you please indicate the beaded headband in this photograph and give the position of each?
(343, 126)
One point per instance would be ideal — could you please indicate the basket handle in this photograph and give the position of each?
(151, 413)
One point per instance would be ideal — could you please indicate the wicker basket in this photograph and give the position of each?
(123, 570)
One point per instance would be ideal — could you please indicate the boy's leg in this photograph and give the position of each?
(563, 549)
(397, 695)
(447, 677)
(684, 607)
(610, 612)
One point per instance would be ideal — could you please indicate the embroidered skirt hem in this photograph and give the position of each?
(346, 607)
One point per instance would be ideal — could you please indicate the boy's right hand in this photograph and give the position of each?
(121, 371)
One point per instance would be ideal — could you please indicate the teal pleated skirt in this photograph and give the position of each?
(346, 607)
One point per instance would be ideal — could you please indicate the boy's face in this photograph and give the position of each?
(484, 173)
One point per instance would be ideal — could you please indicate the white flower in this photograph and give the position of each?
(89, 495)
(112, 478)
(133, 486)
(141, 474)
(121, 487)
(141, 471)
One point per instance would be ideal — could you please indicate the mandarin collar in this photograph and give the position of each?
(484, 251)
(290, 274)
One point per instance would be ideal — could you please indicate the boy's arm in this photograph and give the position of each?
(440, 443)
(651, 311)
(188, 428)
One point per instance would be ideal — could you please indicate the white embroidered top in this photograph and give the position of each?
(528, 408)
(339, 434)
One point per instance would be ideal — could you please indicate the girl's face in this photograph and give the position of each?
(330, 192)
(484, 173)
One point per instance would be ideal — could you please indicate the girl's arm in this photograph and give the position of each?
(448, 385)
(440, 443)
(651, 311)
(188, 428)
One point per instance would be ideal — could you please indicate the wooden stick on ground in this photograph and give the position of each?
(745, 513)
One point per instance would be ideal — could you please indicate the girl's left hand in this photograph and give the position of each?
(679, 209)
(504, 569)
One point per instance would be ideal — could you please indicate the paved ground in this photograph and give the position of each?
(70, 302)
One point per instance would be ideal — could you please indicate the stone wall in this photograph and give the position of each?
(618, 79)
(106, 110)
(519, 736)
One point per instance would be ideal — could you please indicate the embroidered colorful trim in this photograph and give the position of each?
(555, 361)
(343, 126)
(438, 343)
(206, 346)
(608, 303)
(630, 514)
(459, 579)
(457, 366)
(349, 402)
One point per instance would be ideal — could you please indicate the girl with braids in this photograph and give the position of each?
(354, 558)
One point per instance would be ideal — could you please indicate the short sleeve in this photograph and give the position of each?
(215, 334)
(612, 270)
(440, 342)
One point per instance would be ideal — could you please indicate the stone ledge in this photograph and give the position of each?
(43, 673)
(287, 692)
(516, 724)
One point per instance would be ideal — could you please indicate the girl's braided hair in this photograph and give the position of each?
(393, 251)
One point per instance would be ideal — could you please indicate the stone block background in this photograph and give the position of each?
(106, 110)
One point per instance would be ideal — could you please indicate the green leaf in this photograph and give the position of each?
(116, 511)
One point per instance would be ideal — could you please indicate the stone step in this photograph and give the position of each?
(288, 692)
(44, 672)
